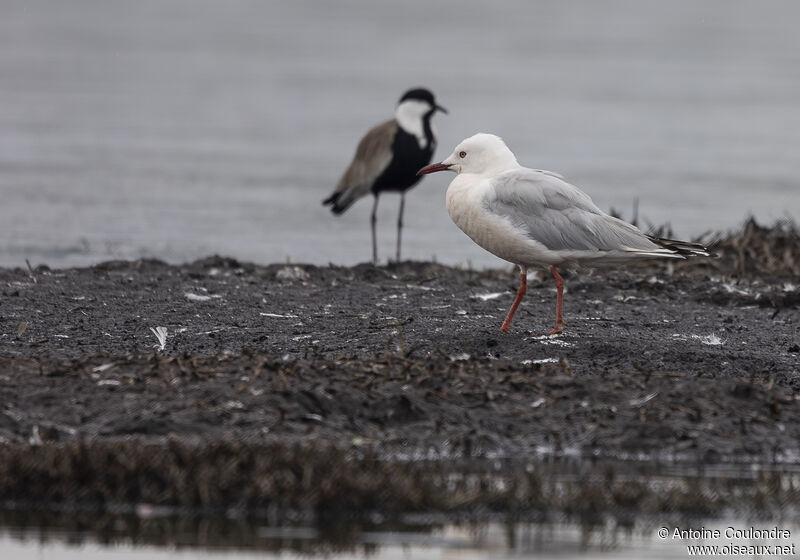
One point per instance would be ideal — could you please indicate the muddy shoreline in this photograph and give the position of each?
(397, 374)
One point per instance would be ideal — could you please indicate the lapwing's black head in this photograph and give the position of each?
(422, 96)
(414, 112)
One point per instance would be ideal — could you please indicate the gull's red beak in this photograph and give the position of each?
(433, 168)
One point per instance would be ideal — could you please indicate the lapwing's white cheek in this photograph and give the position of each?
(409, 117)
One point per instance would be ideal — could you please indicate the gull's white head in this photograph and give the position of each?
(482, 154)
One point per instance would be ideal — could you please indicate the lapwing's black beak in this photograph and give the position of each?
(433, 168)
(440, 108)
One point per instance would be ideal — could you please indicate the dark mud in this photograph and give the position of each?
(388, 388)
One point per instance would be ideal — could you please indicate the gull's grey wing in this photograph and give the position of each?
(373, 155)
(559, 215)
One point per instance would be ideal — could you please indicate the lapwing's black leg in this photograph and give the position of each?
(373, 220)
(400, 222)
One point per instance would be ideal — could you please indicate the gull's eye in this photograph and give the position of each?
(462, 154)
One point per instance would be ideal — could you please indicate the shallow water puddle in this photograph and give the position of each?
(756, 518)
(725, 538)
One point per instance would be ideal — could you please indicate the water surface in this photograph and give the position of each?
(491, 541)
(179, 129)
(672, 496)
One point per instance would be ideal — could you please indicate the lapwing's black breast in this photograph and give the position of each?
(408, 157)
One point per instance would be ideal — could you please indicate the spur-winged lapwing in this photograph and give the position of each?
(388, 158)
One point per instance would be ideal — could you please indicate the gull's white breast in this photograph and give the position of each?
(466, 198)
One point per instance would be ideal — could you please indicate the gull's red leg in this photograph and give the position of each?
(559, 301)
(523, 287)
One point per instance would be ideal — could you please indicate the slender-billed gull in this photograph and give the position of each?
(532, 217)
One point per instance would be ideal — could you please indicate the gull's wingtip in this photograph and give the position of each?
(684, 248)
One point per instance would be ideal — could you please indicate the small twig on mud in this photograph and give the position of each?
(400, 323)
(31, 273)
(400, 342)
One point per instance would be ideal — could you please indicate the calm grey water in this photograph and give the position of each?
(484, 542)
(730, 498)
(176, 129)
